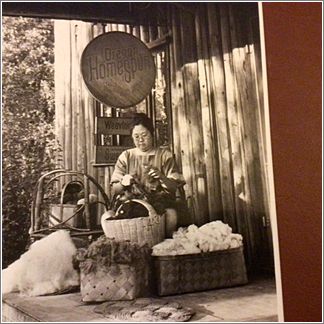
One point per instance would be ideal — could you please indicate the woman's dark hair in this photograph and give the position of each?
(142, 119)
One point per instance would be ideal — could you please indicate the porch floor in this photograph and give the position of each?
(253, 302)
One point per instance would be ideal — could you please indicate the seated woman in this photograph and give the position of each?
(153, 169)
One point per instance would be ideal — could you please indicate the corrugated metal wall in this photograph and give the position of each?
(217, 112)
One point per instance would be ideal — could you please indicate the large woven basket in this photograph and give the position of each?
(198, 272)
(116, 282)
(142, 230)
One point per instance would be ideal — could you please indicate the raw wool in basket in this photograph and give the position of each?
(106, 251)
(213, 236)
(44, 269)
(175, 247)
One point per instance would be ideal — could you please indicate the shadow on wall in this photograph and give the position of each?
(217, 104)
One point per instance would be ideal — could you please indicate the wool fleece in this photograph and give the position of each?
(44, 269)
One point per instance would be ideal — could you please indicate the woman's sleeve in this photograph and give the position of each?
(170, 169)
(120, 168)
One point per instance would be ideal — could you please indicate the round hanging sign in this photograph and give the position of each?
(118, 69)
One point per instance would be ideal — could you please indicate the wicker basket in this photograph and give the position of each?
(68, 212)
(80, 221)
(199, 272)
(141, 230)
(117, 282)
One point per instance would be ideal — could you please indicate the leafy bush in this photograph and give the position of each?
(27, 123)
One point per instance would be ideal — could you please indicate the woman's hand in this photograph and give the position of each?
(168, 184)
(155, 173)
(127, 180)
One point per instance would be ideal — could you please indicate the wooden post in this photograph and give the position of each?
(208, 117)
(136, 31)
(85, 102)
(153, 33)
(121, 28)
(247, 112)
(233, 123)
(68, 148)
(193, 115)
(144, 34)
(75, 108)
(181, 137)
(173, 93)
(62, 38)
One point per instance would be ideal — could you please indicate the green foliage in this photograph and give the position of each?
(27, 123)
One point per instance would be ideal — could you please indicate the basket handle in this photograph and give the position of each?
(149, 207)
(66, 185)
(40, 187)
(63, 193)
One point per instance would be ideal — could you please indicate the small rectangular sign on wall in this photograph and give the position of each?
(113, 125)
(108, 154)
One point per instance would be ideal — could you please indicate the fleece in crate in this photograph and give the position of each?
(44, 269)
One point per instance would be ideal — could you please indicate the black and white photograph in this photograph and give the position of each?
(137, 177)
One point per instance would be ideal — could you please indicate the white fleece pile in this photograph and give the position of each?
(45, 268)
(213, 236)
